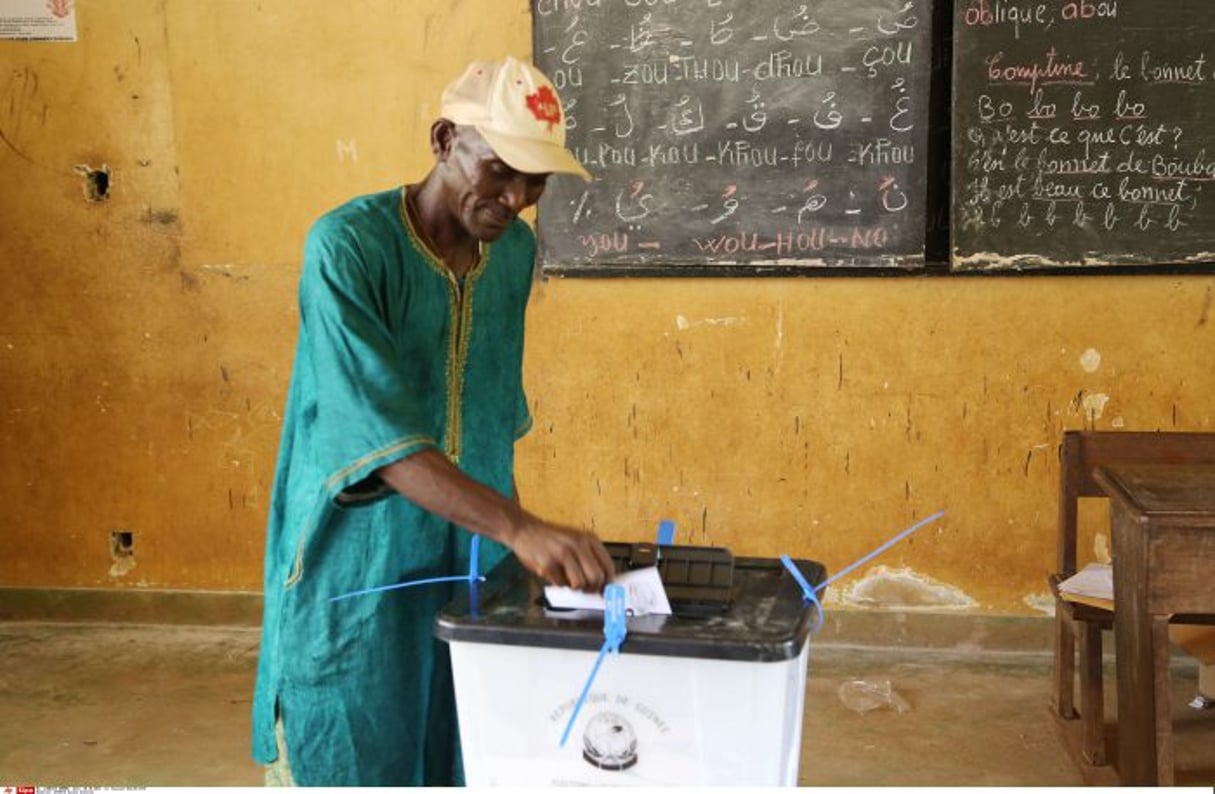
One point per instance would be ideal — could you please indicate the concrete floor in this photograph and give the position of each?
(125, 705)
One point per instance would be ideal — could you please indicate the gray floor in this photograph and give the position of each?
(118, 705)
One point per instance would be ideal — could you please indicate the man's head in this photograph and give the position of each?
(501, 133)
(517, 110)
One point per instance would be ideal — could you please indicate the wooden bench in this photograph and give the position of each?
(1078, 627)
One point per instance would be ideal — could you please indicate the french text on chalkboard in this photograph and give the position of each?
(736, 133)
(1083, 133)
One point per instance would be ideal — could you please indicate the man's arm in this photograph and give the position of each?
(562, 555)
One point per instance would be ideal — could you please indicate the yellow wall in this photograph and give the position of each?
(145, 341)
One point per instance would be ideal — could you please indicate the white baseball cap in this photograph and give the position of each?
(517, 110)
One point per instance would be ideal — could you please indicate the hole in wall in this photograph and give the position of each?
(96, 182)
(122, 544)
(122, 551)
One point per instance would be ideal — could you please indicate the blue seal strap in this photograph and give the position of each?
(474, 553)
(807, 591)
(811, 593)
(615, 628)
(905, 533)
(666, 532)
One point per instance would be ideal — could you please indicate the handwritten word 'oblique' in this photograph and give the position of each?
(986, 13)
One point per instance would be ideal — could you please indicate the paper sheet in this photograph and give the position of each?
(38, 20)
(644, 594)
(1096, 580)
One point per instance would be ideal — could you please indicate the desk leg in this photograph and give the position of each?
(1133, 653)
(1065, 666)
(1164, 711)
(1092, 705)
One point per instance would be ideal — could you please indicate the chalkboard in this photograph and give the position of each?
(737, 136)
(1083, 134)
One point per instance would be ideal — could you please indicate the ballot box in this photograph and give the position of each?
(710, 695)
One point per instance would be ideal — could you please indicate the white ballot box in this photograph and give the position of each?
(710, 695)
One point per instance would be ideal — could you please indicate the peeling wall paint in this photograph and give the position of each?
(903, 588)
(683, 323)
(1101, 548)
(1094, 405)
(1043, 602)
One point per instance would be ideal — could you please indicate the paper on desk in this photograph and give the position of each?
(1096, 580)
(644, 594)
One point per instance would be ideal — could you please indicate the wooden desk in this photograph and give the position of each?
(1163, 520)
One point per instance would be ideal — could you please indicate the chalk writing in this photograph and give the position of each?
(729, 131)
(1079, 133)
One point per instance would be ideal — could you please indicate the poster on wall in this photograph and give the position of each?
(38, 20)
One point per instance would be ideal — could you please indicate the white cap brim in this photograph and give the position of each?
(532, 156)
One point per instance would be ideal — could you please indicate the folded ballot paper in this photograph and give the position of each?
(1093, 585)
(644, 594)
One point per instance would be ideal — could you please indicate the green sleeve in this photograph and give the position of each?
(368, 413)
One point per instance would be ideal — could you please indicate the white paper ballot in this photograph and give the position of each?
(644, 594)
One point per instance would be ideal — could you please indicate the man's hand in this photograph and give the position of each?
(563, 555)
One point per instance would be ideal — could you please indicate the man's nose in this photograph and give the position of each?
(514, 195)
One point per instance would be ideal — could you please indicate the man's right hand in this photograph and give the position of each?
(563, 555)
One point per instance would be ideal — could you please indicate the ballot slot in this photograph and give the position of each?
(699, 580)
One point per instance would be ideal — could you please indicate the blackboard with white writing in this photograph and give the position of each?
(1083, 133)
(736, 136)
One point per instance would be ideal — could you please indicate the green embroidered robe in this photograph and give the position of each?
(394, 356)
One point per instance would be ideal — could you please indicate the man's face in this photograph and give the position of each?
(486, 192)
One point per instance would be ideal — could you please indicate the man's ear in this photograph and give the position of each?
(442, 139)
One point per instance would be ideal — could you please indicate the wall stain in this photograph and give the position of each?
(14, 148)
(20, 90)
(1074, 406)
(162, 217)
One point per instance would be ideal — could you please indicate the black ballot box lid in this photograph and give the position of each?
(725, 607)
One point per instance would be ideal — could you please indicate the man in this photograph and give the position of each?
(405, 403)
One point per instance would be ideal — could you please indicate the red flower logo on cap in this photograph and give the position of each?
(544, 106)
